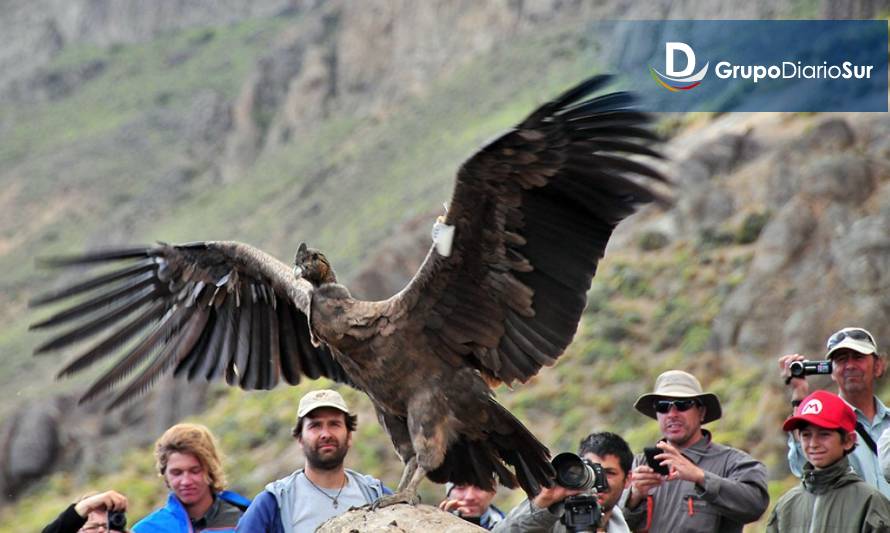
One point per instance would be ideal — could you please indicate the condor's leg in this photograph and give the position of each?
(407, 474)
(408, 493)
(397, 428)
(431, 434)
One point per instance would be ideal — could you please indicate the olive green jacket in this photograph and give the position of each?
(834, 499)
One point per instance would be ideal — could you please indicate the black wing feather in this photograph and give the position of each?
(201, 310)
(533, 212)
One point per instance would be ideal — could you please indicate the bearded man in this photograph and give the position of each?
(323, 488)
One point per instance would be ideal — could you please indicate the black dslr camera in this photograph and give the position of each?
(117, 521)
(582, 512)
(806, 368)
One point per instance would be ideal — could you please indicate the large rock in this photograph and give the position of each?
(862, 255)
(783, 237)
(29, 446)
(399, 518)
(725, 153)
(59, 434)
(843, 177)
(831, 135)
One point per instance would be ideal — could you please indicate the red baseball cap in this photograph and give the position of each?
(825, 410)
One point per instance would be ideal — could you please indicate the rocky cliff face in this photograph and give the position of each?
(821, 186)
(36, 32)
(818, 187)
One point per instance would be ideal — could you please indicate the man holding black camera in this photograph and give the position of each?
(708, 487)
(92, 514)
(546, 512)
(855, 367)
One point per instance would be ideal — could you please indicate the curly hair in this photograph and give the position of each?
(196, 440)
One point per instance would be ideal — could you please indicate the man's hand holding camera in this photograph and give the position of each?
(105, 501)
(799, 386)
(644, 479)
(550, 495)
(680, 465)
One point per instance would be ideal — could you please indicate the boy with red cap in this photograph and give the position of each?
(831, 497)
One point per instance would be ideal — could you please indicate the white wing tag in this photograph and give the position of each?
(443, 236)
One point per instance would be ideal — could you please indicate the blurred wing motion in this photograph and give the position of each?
(207, 310)
(530, 218)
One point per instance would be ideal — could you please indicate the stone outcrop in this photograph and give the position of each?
(58, 434)
(30, 445)
(399, 518)
(822, 260)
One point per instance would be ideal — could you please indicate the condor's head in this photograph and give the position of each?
(313, 266)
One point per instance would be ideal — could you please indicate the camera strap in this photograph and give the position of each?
(870, 442)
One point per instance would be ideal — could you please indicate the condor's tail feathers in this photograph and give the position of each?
(506, 442)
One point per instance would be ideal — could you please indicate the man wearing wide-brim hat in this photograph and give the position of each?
(709, 487)
(856, 365)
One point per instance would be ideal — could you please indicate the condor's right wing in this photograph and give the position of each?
(199, 310)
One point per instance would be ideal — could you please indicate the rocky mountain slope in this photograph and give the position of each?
(341, 124)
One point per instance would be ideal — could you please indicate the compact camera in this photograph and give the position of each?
(117, 521)
(807, 368)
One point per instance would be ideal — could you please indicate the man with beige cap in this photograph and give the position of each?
(324, 488)
(709, 487)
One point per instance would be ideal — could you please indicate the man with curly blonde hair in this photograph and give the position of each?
(187, 460)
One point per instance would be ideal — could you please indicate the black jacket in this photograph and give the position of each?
(67, 522)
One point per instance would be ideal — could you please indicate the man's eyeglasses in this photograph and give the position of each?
(664, 406)
(853, 333)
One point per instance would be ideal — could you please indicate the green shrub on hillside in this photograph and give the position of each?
(751, 227)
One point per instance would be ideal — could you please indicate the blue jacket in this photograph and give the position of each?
(173, 518)
(491, 517)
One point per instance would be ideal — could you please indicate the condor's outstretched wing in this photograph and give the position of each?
(532, 214)
(202, 310)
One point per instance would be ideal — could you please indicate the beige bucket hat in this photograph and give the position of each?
(676, 384)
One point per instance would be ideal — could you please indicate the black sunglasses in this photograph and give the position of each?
(664, 406)
(853, 333)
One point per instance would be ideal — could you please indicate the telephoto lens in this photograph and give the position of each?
(572, 472)
(582, 512)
